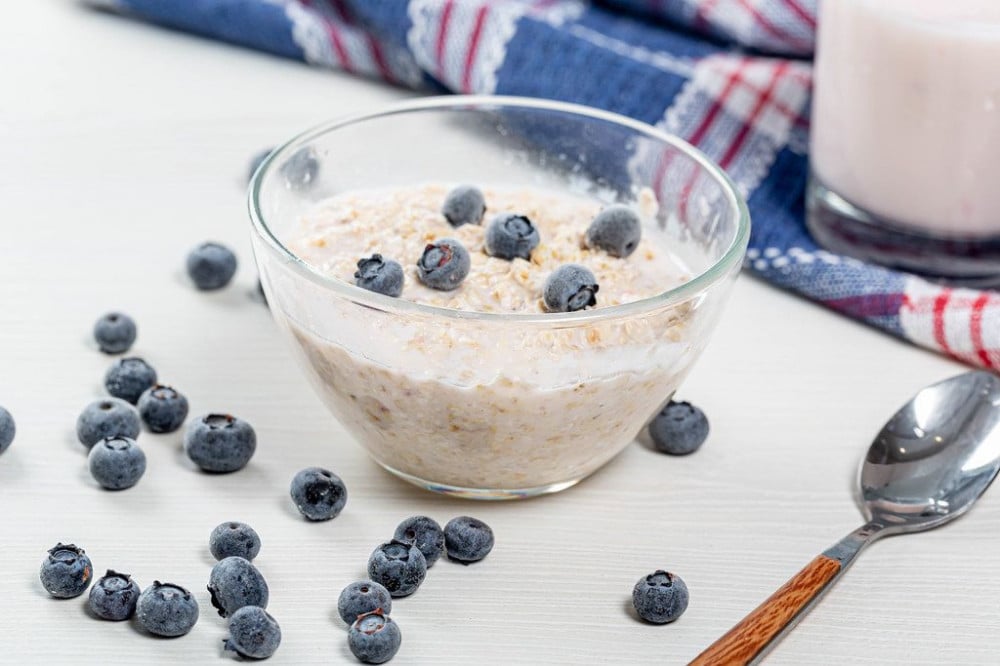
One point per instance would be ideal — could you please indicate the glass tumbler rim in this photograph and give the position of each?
(717, 272)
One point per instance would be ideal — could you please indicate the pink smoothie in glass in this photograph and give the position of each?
(906, 124)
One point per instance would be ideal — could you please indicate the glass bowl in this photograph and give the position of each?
(490, 405)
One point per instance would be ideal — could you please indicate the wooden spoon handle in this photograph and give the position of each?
(745, 641)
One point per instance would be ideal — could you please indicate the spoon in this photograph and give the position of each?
(927, 466)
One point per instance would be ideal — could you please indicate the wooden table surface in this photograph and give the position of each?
(125, 145)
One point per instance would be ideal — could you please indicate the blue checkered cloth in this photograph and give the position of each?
(730, 76)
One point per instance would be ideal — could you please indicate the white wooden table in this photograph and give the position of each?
(124, 145)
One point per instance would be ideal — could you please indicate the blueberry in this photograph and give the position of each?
(114, 596)
(374, 638)
(444, 264)
(253, 633)
(615, 230)
(235, 583)
(234, 539)
(464, 205)
(425, 534)
(128, 378)
(680, 429)
(108, 417)
(162, 408)
(115, 332)
(117, 463)
(511, 236)
(7, 429)
(660, 597)
(569, 288)
(165, 609)
(66, 571)
(363, 596)
(300, 170)
(220, 443)
(319, 494)
(399, 567)
(383, 276)
(467, 539)
(211, 266)
(256, 161)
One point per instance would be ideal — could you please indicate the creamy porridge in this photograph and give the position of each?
(492, 404)
(400, 223)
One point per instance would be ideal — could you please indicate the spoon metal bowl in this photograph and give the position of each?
(928, 465)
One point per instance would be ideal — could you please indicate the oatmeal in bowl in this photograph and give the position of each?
(485, 318)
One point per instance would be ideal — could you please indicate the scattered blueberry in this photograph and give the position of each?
(256, 161)
(117, 463)
(511, 236)
(235, 583)
(464, 205)
(211, 266)
(615, 230)
(66, 571)
(363, 596)
(220, 443)
(115, 332)
(127, 378)
(444, 264)
(234, 539)
(114, 596)
(383, 276)
(569, 288)
(374, 638)
(162, 408)
(7, 429)
(300, 170)
(319, 494)
(467, 539)
(108, 417)
(660, 597)
(253, 633)
(680, 429)
(165, 609)
(425, 534)
(399, 567)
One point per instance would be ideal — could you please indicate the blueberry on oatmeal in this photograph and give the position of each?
(381, 275)
(615, 230)
(465, 204)
(444, 264)
(511, 236)
(569, 288)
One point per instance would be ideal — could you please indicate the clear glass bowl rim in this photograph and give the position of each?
(718, 271)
